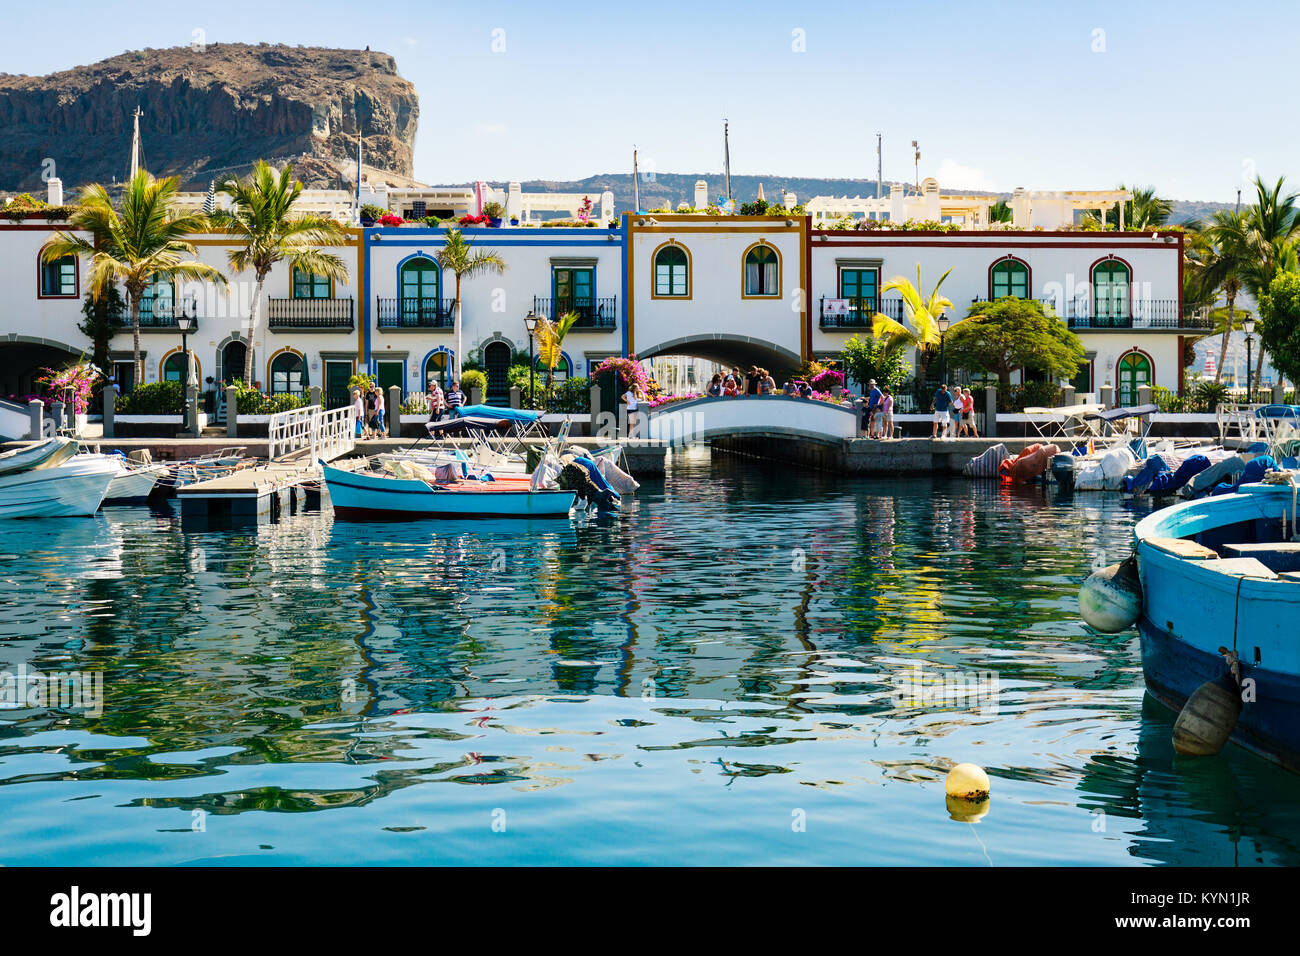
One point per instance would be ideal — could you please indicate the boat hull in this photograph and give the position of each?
(1269, 724)
(361, 497)
(67, 490)
(134, 485)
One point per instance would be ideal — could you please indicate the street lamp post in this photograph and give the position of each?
(187, 323)
(530, 323)
(942, 323)
(1248, 326)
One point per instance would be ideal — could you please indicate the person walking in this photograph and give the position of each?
(970, 413)
(358, 413)
(887, 414)
(454, 399)
(437, 402)
(377, 423)
(939, 405)
(874, 396)
(956, 404)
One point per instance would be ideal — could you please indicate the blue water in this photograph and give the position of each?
(711, 677)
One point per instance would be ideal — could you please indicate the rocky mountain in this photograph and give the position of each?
(210, 111)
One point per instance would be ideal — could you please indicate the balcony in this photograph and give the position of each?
(414, 314)
(155, 316)
(856, 314)
(1146, 314)
(594, 315)
(331, 314)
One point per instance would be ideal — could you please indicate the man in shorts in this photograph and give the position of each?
(940, 405)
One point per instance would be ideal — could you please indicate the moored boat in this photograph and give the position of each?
(68, 489)
(41, 454)
(378, 496)
(1219, 605)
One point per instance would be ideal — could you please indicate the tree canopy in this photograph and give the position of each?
(1009, 333)
(865, 359)
(1279, 323)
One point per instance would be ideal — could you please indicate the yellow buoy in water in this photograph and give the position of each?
(967, 781)
(1207, 719)
(967, 811)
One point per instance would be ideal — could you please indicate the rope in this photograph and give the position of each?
(1285, 476)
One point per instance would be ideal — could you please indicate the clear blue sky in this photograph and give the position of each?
(1186, 96)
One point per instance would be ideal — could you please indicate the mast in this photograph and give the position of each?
(636, 185)
(358, 170)
(879, 166)
(726, 155)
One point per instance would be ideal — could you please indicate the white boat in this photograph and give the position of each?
(377, 496)
(41, 454)
(133, 482)
(72, 488)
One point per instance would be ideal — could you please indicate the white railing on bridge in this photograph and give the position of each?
(312, 431)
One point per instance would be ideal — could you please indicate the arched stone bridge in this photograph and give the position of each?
(700, 419)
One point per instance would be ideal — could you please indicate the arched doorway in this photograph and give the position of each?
(233, 357)
(1134, 371)
(22, 363)
(437, 368)
(496, 359)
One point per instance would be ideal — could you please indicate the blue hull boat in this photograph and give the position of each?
(1221, 576)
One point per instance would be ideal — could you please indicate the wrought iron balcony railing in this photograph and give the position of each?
(858, 313)
(413, 313)
(600, 314)
(309, 314)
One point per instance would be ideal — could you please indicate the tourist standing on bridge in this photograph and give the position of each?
(791, 387)
(752, 378)
(715, 386)
(729, 389)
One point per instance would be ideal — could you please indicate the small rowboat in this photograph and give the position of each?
(373, 496)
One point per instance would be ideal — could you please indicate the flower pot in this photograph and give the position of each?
(367, 222)
(613, 225)
(837, 390)
(495, 223)
(514, 222)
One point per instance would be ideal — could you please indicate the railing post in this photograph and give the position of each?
(109, 396)
(1144, 395)
(991, 412)
(314, 396)
(1107, 396)
(1277, 393)
(516, 397)
(394, 411)
(56, 413)
(232, 412)
(191, 410)
(36, 419)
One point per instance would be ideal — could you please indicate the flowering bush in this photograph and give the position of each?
(474, 221)
(629, 370)
(669, 399)
(584, 210)
(70, 384)
(390, 219)
(417, 403)
(824, 381)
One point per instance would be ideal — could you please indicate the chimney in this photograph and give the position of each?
(701, 194)
(54, 192)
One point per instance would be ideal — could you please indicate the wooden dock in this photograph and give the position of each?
(250, 492)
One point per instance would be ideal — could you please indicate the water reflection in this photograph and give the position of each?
(677, 680)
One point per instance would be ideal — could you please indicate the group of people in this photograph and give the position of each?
(368, 412)
(444, 402)
(878, 413)
(954, 413)
(757, 381)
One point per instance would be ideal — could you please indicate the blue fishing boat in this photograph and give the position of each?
(362, 495)
(1216, 599)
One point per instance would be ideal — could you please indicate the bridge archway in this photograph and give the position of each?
(729, 350)
(24, 358)
(772, 416)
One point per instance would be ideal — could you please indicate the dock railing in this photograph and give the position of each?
(320, 434)
(1238, 421)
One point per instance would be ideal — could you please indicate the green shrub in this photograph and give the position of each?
(1208, 395)
(473, 378)
(371, 211)
(152, 398)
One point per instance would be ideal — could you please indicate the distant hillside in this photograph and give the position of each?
(669, 189)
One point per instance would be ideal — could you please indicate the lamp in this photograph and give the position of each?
(530, 323)
(942, 323)
(1248, 326)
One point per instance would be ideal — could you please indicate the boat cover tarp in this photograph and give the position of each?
(492, 411)
(1108, 473)
(1158, 478)
(1227, 468)
(986, 465)
(1278, 411)
(618, 479)
(1129, 411)
(1254, 471)
(468, 423)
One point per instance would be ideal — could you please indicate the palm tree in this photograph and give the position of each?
(136, 246)
(269, 231)
(922, 314)
(1000, 212)
(458, 255)
(1224, 267)
(550, 339)
(1144, 211)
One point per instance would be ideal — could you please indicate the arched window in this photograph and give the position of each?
(1110, 292)
(288, 374)
(1009, 277)
(1134, 371)
(173, 369)
(762, 271)
(420, 283)
(308, 286)
(59, 278)
(672, 272)
(562, 368)
(437, 368)
(156, 305)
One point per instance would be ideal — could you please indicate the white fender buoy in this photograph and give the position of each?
(1207, 719)
(1110, 600)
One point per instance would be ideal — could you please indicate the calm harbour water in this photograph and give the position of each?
(711, 677)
